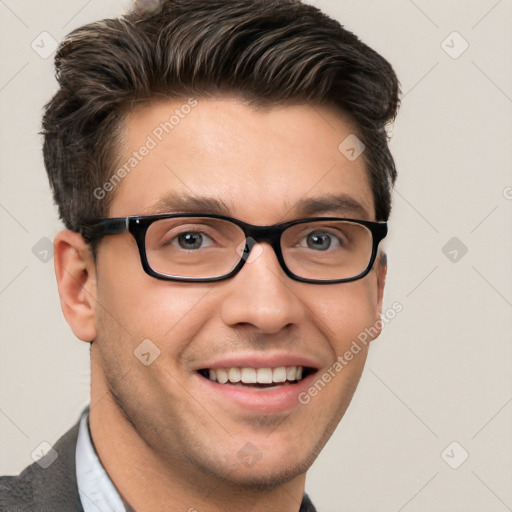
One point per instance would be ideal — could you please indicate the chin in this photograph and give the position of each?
(263, 475)
(267, 469)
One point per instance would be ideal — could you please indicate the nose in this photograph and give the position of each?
(262, 295)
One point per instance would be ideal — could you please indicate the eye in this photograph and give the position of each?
(321, 241)
(190, 240)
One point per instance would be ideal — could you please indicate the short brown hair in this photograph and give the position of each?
(266, 51)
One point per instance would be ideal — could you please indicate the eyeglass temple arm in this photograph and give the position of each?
(104, 227)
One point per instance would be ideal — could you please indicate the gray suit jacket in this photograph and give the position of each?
(55, 489)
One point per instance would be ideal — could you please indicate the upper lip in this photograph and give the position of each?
(259, 360)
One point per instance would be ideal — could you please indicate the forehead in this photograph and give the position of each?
(223, 156)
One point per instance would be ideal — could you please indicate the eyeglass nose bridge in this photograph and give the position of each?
(255, 235)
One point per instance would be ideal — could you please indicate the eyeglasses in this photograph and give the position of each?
(205, 248)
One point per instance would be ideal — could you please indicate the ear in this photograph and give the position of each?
(76, 279)
(381, 267)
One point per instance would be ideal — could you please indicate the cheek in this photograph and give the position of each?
(345, 311)
(138, 306)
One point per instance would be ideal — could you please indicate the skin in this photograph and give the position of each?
(165, 443)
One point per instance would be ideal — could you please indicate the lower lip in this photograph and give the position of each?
(280, 399)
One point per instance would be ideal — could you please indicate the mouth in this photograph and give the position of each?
(257, 378)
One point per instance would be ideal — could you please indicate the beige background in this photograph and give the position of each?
(441, 372)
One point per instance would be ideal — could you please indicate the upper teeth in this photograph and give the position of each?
(256, 375)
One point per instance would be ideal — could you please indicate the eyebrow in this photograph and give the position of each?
(338, 204)
(343, 204)
(174, 202)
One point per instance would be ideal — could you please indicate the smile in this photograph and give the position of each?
(249, 375)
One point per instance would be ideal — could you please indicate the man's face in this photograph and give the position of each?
(260, 165)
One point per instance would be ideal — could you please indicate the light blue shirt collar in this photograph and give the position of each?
(97, 492)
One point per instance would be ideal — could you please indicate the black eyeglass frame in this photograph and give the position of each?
(138, 225)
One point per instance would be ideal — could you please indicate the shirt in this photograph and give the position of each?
(97, 492)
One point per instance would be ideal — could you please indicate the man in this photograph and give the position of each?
(222, 169)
